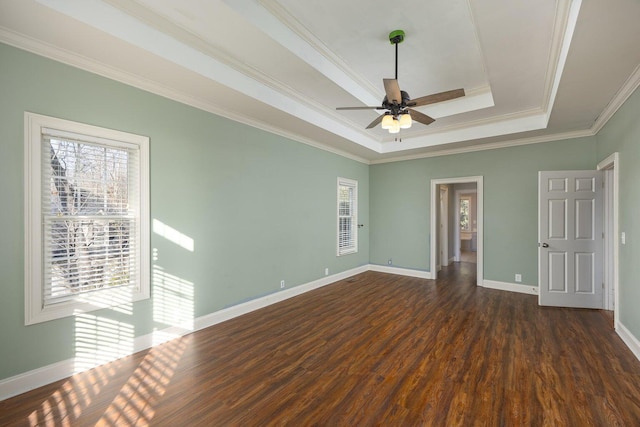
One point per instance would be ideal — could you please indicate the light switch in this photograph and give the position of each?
(623, 238)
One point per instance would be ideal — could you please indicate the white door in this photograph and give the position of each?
(570, 238)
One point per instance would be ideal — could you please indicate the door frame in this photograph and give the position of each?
(435, 205)
(443, 236)
(612, 163)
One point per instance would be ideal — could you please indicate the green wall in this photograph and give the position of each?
(622, 134)
(400, 197)
(260, 208)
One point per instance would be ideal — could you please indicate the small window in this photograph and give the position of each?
(347, 216)
(87, 227)
(465, 215)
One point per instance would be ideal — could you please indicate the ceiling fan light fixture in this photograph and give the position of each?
(405, 121)
(387, 121)
(397, 103)
(395, 128)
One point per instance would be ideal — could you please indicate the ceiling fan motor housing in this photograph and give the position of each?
(394, 108)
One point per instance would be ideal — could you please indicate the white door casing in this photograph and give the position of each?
(444, 225)
(570, 238)
(610, 166)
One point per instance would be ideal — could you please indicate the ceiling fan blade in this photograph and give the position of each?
(421, 117)
(375, 122)
(360, 108)
(392, 89)
(436, 97)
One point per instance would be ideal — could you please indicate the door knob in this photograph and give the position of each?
(545, 245)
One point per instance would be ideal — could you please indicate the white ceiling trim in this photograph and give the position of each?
(493, 126)
(627, 89)
(293, 36)
(564, 27)
(489, 146)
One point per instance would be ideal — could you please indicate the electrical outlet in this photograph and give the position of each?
(281, 284)
(518, 278)
(390, 261)
(326, 271)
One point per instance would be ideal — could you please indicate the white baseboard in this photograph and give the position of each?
(249, 306)
(30, 380)
(629, 339)
(511, 287)
(401, 271)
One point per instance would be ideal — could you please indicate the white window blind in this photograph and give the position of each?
(87, 218)
(89, 206)
(347, 216)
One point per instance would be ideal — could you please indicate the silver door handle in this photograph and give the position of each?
(545, 245)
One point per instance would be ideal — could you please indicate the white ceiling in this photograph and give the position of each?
(533, 71)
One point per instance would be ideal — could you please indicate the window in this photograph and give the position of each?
(347, 216)
(465, 215)
(87, 207)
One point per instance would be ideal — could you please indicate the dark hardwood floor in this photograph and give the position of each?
(376, 349)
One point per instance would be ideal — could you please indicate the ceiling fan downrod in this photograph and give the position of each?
(395, 37)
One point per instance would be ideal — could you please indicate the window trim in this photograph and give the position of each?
(345, 182)
(34, 124)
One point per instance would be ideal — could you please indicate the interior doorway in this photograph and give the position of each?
(435, 229)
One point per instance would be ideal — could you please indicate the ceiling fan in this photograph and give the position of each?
(397, 103)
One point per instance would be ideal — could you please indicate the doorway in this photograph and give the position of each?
(605, 213)
(435, 222)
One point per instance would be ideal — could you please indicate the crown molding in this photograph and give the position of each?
(489, 146)
(294, 37)
(563, 29)
(486, 121)
(280, 13)
(627, 89)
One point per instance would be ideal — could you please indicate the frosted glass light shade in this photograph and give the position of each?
(387, 121)
(405, 121)
(395, 128)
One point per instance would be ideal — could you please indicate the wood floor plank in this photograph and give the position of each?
(375, 349)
